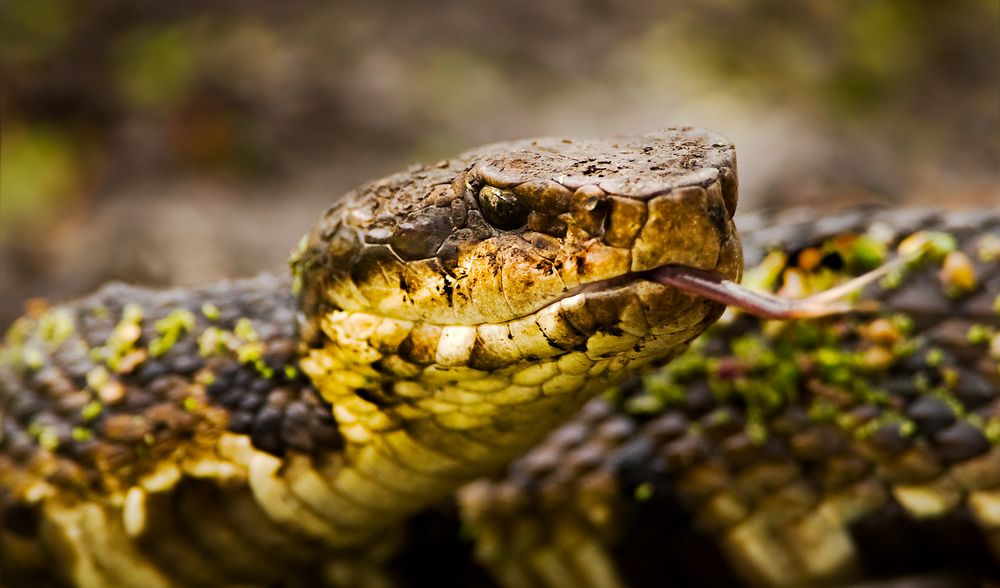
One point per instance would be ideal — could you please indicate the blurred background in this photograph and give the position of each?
(177, 142)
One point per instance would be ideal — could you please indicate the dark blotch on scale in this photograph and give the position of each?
(630, 462)
(615, 430)
(921, 298)
(698, 398)
(901, 385)
(184, 358)
(252, 400)
(266, 430)
(889, 440)
(278, 413)
(151, 370)
(975, 390)
(931, 414)
(960, 442)
(21, 519)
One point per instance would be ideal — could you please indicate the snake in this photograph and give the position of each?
(479, 374)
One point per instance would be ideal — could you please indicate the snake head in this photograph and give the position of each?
(520, 257)
(500, 232)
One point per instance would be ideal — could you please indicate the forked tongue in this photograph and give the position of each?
(713, 286)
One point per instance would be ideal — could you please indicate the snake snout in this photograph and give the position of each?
(687, 226)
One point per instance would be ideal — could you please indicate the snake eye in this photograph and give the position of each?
(502, 209)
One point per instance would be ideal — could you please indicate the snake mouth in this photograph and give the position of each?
(616, 282)
(657, 275)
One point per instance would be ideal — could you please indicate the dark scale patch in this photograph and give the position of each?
(20, 519)
(663, 545)
(975, 390)
(280, 413)
(889, 440)
(960, 442)
(133, 380)
(662, 534)
(931, 414)
(439, 554)
(890, 543)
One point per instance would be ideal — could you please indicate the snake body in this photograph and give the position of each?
(821, 452)
(441, 322)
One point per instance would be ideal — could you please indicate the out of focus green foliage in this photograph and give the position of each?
(202, 87)
(32, 30)
(852, 57)
(38, 173)
(154, 66)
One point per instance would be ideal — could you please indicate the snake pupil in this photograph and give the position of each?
(502, 208)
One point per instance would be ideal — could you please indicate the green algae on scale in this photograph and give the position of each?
(170, 329)
(988, 248)
(841, 364)
(32, 337)
(958, 274)
(91, 410)
(773, 367)
(242, 341)
(55, 327)
(119, 351)
(210, 311)
(925, 247)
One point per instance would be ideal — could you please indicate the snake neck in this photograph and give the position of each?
(420, 413)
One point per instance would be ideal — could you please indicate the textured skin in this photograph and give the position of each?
(437, 347)
(808, 453)
(210, 459)
(169, 436)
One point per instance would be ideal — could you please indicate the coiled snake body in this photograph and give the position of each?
(443, 321)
